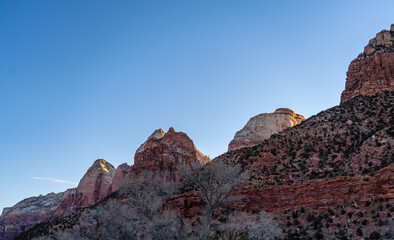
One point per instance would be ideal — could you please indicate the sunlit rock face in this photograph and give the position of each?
(262, 126)
(372, 72)
(28, 212)
(94, 186)
(162, 152)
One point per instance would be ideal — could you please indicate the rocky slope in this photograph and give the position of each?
(29, 212)
(341, 159)
(373, 70)
(325, 178)
(262, 126)
(94, 186)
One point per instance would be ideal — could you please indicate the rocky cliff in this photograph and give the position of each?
(120, 174)
(262, 126)
(29, 212)
(94, 186)
(372, 71)
(162, 152)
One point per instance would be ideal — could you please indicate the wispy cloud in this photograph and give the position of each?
(54, 180)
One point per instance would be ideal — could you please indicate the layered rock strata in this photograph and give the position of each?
(262, 126)
(94, 186)
(120, 174)
(163, 152)
(29, 212)
(372, 72)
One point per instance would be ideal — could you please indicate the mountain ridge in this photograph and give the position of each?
(314, 176)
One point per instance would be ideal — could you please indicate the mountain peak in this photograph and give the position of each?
(168, 151)
(94, 186)
(101, 165)
(171, 130)
(262, 126)
(372, 72)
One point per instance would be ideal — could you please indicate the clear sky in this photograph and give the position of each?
(81, 80)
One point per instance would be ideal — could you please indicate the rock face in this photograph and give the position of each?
(372, 71)
(29, 212)
(120, 174)
(162, 152)
(262, 126)
(94, 186)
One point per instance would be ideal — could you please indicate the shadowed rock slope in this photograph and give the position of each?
(28, 212)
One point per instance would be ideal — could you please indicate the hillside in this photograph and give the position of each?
(329, 177)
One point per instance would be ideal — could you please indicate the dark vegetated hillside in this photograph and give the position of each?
(332, 175)
(353, 139)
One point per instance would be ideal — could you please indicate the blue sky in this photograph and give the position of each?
(81, 80)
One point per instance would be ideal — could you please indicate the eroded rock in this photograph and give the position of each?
(262, 126)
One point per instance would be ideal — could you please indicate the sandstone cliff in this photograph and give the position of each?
(372, 71)
(29, 212)
(262, 126)
(94, 186)
(162, 152)
(120, 174)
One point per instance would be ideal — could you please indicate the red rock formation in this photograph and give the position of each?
(262, 126)
(315, 194)
(120, 173)
(94, 186)
(372, 71)
(163, 152)
(29, 212)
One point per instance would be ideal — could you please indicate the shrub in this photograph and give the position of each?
(359, 232)
(374, 235)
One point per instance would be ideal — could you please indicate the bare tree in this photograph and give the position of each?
(251, 226)
(141, 211)
(149, 196)
(215, 182)
(144, 208)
